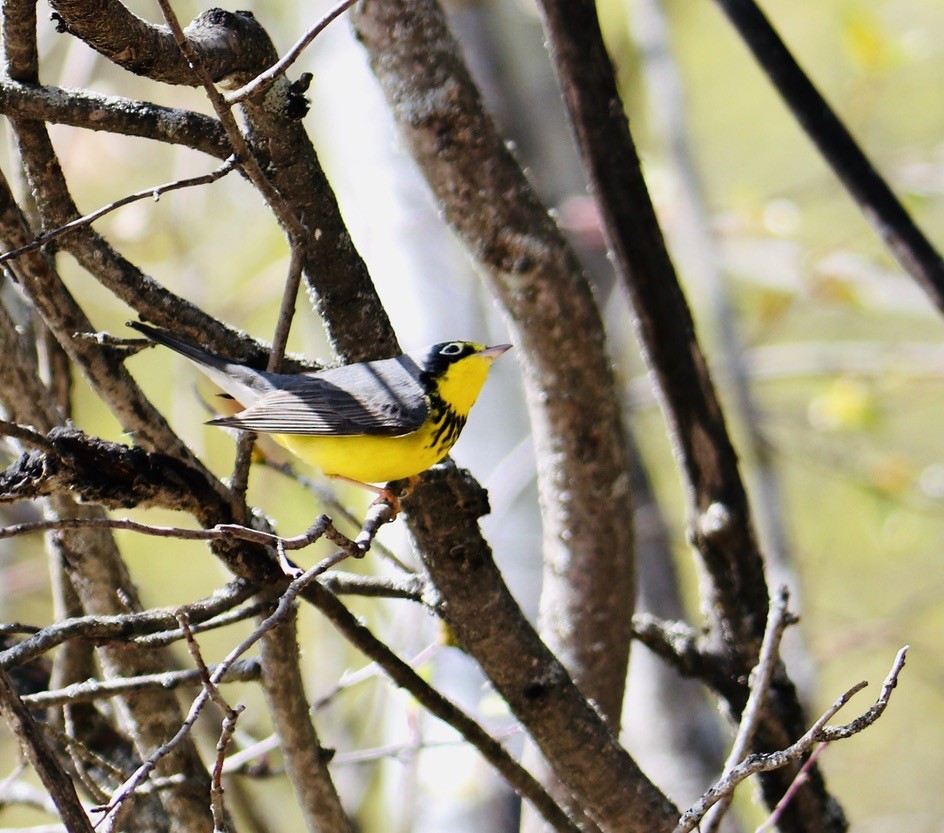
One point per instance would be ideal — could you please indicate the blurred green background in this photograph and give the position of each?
(844, 352)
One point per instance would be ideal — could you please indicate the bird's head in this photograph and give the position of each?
(458, 370)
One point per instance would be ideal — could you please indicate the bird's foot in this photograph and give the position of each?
(391, 498)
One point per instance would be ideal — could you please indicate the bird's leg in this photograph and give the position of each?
(369, 486)
(388, 495)
(384, 494)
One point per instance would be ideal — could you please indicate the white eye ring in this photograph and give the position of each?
(453, 349)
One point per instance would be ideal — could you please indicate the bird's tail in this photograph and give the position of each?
(191, 351)
(243, 383)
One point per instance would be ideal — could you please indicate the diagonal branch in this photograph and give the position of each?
(439, 706)
(126, 117)
(882, 209)
(264, 80)
(305, 761)
(818, 733)
(557, 330)
(720, 523)
(487, 622)
(234, 47)
(41, 757)
(151, 193)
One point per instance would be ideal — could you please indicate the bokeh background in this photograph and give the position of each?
(844, 356)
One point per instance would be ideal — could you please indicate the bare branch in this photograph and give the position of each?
(882, 209)
(63, 315)
(113, 810)
(26, 436)
(41, 758)
(220, 822)
(305, 761)
(124, 626)
(558, 334)
(228, 44)
(295, 229)
(109, 474)
(778, 619)
(264, 80)
(720, 524)
(152, 193)
(819, 732)
(802, 775)
(719, 514)
(114, 114)
(231, 715)
(404, 676)
(490, 626)
(338, 510)
(91, 690)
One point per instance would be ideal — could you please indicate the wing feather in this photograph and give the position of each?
(382, 398)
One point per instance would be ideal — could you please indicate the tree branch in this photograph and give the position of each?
(151, 193)
(720, 524)
(882, 209)
(305, 761)
(439, 706)
(819, 732)
(124, 626)
(264, 80)
(487, 622)
(126, 117)
(92, 690)
(42, 759)
(558, 334)
(230, 45)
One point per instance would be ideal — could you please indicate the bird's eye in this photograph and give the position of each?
(452, 349)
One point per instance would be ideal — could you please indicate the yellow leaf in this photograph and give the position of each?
(847, 405)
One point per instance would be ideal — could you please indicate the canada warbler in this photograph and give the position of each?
(369, 422)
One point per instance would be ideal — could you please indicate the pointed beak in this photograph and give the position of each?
(492, 353)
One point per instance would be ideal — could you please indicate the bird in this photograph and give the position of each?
(366, 423)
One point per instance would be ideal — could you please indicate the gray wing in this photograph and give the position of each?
(380, 398)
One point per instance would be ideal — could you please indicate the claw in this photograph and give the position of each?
(391, 498)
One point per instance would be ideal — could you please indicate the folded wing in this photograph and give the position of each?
(381, 398)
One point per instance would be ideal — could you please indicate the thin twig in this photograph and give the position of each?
(321, 527)
(217, 807)
(402, 751)
(16, 628)
(244, 761)
(122, 626)
(25, 435)
(801, 777)
(411, 587)
(87, 220)
(819, 732)
(287, 309)
(80, 753)
(245, 158)
(91, 690)
(295, 229)
(332, 504)
(778, 618)
(110, 820)
(231, 715)
(168, 637)
(14, 791)
(264, 80)
(402, 675)
(42, 758)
